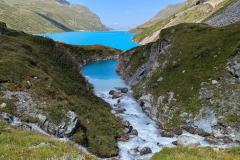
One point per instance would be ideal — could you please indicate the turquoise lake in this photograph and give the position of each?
(101, 74)
(116, 39)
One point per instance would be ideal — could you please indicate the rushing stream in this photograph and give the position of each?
(104, 78)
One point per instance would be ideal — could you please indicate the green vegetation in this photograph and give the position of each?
(198, 53)
(198, 154)
(37, 16)
(56, 67)
(20, 144)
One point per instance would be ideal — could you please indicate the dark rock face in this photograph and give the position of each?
(63, 2)
(123, 90)
(3, 28)
(156, 49)
(145, 150)
(228, 16)
(201, 2)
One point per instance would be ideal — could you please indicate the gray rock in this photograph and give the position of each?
(126, 124)
(112, 92)
(117, 95)
(187, 141)
(119, 110)
(123, 90)
(167, 134)
(42, 119)
(145, 150)
(206, 94)
(228, 16)
(72, 123)
(6, 117)
(234, 68)
(134, 132)
(3, 105)
(211, 140)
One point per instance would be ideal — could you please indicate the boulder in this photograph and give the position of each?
(211, 140)
(167, 134)
(206, 94)
(123, 90)
(187, 141)
(177, 131)
(201, 132)
(72, 124)
(116, 95)
(145, 150)
(41, 119)
(234, 68)
(123, 138)
(119, 110)
(134, 132)
(6, 117)
(3, 105)
(112, 92)
(126, 124)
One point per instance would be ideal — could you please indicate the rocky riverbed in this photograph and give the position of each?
(143, 137)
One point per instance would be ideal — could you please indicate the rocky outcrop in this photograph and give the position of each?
(158, 49)
(229, 15)
(212, 111)
(3, 28)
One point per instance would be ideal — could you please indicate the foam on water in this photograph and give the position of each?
(148, 131)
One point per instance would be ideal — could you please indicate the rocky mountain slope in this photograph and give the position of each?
(189, 80)
(40, 83)
(46, 16)
(191, 11)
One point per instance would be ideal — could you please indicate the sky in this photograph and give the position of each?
(125, 14)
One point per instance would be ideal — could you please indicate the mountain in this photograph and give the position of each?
(191, 11)
(40, 83)
(46, 16)
(189, 80)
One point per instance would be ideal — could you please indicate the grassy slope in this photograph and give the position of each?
(37, 16)
(20, 144)
(198, 53)
(182, 14)
(197, 154)
(23, 56)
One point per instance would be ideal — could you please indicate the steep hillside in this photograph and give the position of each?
(189, 80)
(40, 83)
(191, 11)
(41, 16)
(16, 143)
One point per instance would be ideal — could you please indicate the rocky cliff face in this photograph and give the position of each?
(229, 15)
(189, 80)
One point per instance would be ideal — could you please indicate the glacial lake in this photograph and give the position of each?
(116, 39)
